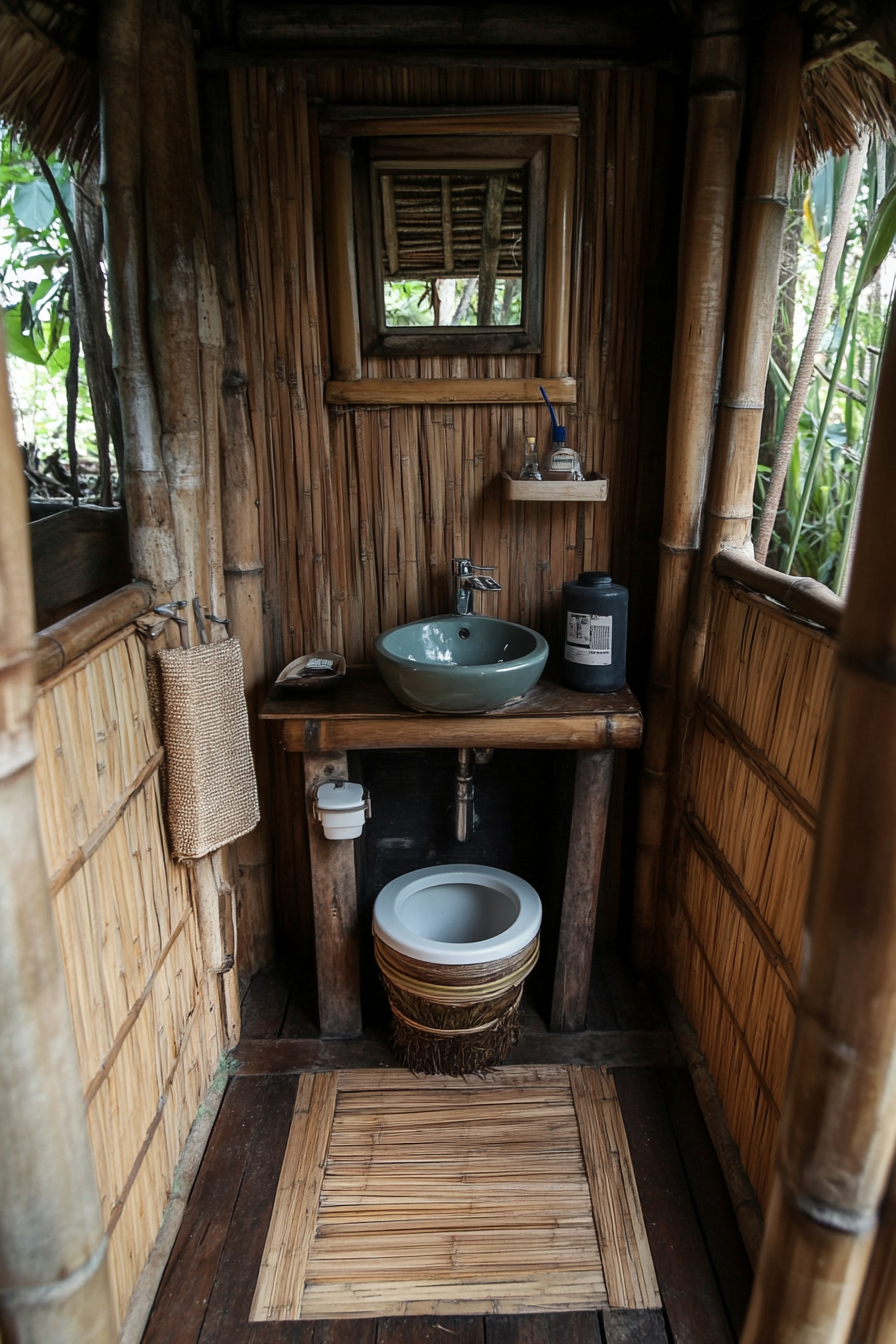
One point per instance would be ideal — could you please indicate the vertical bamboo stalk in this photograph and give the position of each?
(342, 269)
(54, 1279)
(558, 262)
(146, 492)
(706, 226)
(748, 334)
(172, 227)
(838, 1127)
(875, 1321)
(243, 570)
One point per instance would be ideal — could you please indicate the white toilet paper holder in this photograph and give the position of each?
(341, 807)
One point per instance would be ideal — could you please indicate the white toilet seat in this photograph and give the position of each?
(457, 914)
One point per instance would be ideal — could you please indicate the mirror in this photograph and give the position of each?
(452, 247)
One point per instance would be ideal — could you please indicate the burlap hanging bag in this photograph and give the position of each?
(200, 704)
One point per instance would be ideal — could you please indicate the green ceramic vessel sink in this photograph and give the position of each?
(460, 664)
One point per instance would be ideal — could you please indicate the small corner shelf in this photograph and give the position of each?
(564, 492)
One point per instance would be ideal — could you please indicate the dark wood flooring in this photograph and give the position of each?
(701, 1265)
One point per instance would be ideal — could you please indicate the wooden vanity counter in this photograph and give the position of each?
(362, 714)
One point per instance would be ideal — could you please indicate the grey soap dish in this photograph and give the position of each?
(312, 672)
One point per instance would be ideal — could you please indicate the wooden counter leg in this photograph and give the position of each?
(591, 803)
(335, 897)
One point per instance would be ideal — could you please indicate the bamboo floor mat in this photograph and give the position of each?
(406, 1195)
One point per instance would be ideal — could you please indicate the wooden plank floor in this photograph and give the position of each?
(704, 1277)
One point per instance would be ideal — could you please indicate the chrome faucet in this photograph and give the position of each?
(468, 579)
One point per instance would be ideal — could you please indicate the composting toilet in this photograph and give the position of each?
(454, 944)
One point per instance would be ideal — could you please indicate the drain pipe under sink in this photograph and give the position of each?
(465, 818)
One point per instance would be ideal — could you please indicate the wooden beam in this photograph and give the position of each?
(447, 227)
(375, 121)
(334, 894)
(390, 226)
(448, 391)
(591, 802)
(558, 257)
(584, 732)
(490, 250)
(342, 269)
(566, 26)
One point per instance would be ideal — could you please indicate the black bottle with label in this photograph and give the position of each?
(595, 620)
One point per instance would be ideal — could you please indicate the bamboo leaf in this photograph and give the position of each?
(17, 344)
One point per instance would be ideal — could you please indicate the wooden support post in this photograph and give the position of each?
(390, 225)
(447, 227)
(334, 893)
(490, 253)
(591, 801)
(837, 1135)
(342, 266)
(558, 262)
(706, 228)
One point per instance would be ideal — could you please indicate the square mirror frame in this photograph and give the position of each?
(435, 154)
(477, 135)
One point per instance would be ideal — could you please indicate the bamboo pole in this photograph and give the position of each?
(875, 1321)
(806, 371)
(838, 1128)
(173, 226)
(60, 644)
(558, 262)
(342, 267)
(748, 334)
(243, 568)
(807, 597)
(54, 1279)
(145, 485)
(706, 226)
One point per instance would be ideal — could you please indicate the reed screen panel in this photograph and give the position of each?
(148, 1023)
(748, 824)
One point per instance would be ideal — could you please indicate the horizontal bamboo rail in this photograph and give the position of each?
(59, 645)
(449, 391)
(806, 597)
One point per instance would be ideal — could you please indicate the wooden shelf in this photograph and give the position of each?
(559, 491)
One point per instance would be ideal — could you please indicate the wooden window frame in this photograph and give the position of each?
(477, 153)
(354, 138)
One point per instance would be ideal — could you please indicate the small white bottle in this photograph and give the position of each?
(561, 463)
(530, 471)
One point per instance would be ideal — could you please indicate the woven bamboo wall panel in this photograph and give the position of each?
(94, 734)
(766, 846)
(125, 937)
(751, 1116)
(147, 1018)
(773, 674)
(362, 509)
(752, 791)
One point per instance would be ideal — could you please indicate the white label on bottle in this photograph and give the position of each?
(589, 639)
(564, 460)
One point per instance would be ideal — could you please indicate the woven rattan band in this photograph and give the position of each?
(459, 1031)
(456, 995)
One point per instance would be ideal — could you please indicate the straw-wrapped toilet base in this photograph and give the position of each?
(454, 1020)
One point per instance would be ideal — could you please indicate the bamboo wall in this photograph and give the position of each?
(363, 508)
(733, 936)
(148, 1023)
